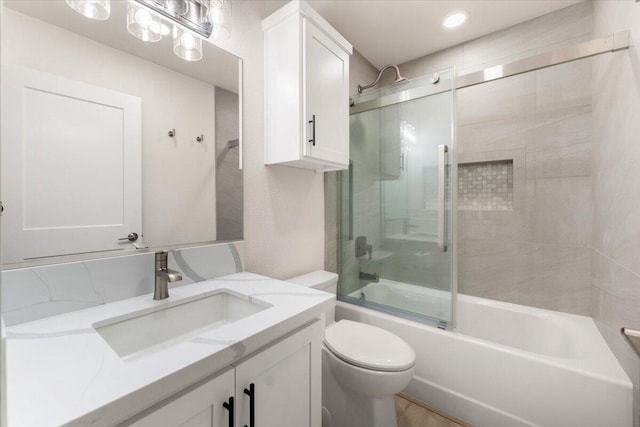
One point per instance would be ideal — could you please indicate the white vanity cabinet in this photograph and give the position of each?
(306, 90)
(284, 382)
(277, 386)
(201, 406)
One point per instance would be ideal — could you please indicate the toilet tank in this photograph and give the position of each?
(323, 281)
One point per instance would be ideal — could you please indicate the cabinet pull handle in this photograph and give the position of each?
(230, 407)
(312, 122)
(251, 392)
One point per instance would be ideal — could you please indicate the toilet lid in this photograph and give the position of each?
(368, 346)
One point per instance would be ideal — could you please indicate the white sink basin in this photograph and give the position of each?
(156, 327)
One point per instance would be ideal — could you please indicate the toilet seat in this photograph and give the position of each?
(369, 347)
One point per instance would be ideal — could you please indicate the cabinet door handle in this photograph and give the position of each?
(229, 406)
(251, 392)
(312, 122)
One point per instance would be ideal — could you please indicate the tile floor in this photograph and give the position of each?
(414, 414)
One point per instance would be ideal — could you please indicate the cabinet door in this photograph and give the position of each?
(286, 382)
(326, 103)
(200, 407)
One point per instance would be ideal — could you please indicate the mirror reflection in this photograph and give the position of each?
(113, 144)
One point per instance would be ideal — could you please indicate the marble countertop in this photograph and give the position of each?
(61, 371)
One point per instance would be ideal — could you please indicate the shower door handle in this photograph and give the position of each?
(442, 224)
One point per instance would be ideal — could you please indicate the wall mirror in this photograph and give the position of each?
(106, 137)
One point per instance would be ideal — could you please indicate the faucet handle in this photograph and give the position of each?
(173, 276)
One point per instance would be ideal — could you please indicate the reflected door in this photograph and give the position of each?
(70, 166)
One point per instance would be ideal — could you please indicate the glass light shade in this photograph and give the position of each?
(219, 17)
(186, 45)
(179, 7)
(92, 9)
(142, 23)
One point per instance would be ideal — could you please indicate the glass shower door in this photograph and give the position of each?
(396, 231)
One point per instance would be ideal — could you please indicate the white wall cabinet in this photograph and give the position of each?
(278, 386)
(306, 90)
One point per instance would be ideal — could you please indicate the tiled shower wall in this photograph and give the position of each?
(616, 192)
(228, 172)
(538, 252)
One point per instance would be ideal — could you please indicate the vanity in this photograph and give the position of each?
(116, 150)
(245, 353)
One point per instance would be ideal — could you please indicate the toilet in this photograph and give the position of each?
(363, 366)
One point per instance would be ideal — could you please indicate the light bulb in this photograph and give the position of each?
(142, 23)
(186, 45)
(92, 9)
(160, 28)
(219, 16)
(188, 41)
(143, 18)
(216, 17)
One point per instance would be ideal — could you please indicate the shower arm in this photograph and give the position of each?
(398, 78)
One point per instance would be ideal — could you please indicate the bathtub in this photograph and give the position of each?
(506, 364)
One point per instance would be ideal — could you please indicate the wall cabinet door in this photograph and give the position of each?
(306, 90)
(286, 381)
(199, 407)
(326, 91)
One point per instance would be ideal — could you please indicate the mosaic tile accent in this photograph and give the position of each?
(486, 186)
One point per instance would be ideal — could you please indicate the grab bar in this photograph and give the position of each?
(633, 336)
(442, 164)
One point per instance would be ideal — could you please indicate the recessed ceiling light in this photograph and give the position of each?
(455, 19)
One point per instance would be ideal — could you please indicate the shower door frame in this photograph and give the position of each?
(383, 101)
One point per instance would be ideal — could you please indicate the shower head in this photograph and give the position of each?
(398, 78)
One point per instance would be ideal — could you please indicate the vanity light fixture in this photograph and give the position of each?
(194, 20)
(455, 19)
(177, 7)
(92, 9)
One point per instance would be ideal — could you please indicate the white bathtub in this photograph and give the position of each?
(506, 364)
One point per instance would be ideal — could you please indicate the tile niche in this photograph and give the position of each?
(486, 185)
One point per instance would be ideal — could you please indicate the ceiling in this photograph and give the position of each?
(396, 31)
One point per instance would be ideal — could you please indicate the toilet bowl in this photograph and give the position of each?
(363, 367)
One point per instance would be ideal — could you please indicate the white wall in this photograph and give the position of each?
(616, 185)
(284, 207)
(178, 175)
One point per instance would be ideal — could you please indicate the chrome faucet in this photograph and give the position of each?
(164, 276)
